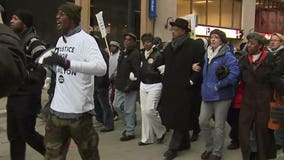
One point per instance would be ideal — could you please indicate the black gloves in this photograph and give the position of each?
(222, 72)
(55, 59)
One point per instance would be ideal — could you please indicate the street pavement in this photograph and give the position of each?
(111, 148)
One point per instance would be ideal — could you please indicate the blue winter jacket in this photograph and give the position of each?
(227, 86)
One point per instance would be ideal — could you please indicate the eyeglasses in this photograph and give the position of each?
(60, 14)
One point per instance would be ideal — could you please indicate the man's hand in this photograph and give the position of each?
(55, 59)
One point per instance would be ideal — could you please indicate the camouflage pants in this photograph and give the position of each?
(58, 134)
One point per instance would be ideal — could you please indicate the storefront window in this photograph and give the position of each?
(214, 12)
(237, 13)
(226, 13)
(199, 8)
(183, 7)
(223, 13)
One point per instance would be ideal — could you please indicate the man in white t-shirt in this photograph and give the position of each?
(77, 60)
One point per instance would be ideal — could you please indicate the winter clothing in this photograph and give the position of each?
(221, 34)
(133, 36)
(25, 16)
(177, 93)
(226, 87)
(259, 78)
(24, 104)
(149, 72)
(128, 61)
(12, 62)
(181, 23)
(71, 10)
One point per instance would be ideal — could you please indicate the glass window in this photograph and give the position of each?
(199, 8)
(213, 12)
(183, 7)
(226, 13)
(237, 14)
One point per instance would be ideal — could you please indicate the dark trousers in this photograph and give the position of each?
(21, 121)
(196, 112)
(103, 109)
(180, 140)
(233, 120)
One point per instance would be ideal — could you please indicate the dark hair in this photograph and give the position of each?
(147, 37)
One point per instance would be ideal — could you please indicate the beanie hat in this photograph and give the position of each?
(114, 43)
(256, 36)
(221, 34)
(133, 36)
(25, 16)
(72, 11)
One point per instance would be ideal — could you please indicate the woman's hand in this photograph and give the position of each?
(196, 67)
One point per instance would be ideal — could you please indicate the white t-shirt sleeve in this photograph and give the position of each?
(93, 63)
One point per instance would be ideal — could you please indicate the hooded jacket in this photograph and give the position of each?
(227, 86)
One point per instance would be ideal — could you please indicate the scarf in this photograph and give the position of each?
(177, 42)
(147, 53)
(274, 52)
(212, 53)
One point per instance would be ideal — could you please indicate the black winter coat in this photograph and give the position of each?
(149, 72)
(128, 61)
(12, 62)
(177, 98)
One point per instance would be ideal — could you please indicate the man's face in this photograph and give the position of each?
(128, 41)
(16, 24)
(275, 42)
(253, 46)
(63, 22)
(215, 41)
(177, 32)
(147, 45)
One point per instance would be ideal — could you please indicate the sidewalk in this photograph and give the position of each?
(110, 148)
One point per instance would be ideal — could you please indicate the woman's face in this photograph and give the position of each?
(215, 41)
(275, 42)
(253, 46)
(147, 45)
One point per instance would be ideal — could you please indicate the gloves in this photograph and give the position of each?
(55, 59)
(132, 76)
(161, 69)
(222, 72)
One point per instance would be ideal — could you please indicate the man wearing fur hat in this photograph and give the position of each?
(77, 60)
(24, 104)
(180, 85)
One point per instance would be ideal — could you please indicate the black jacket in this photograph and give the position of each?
(33, 48)
(12, 62)
(149, 72)
(128, 61)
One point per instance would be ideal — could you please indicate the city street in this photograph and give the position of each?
(111, 148)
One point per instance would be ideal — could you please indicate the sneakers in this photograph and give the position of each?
(170, 154)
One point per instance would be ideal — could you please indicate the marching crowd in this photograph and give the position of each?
(183, 85)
